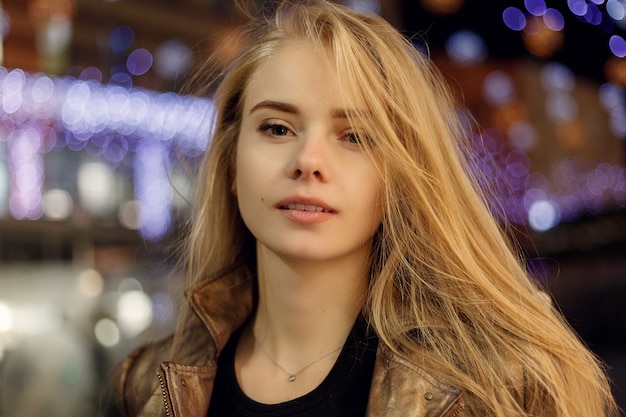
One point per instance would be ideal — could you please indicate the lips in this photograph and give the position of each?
(305, 205)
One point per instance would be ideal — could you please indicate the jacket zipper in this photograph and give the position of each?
(166, 399)
(458, 410)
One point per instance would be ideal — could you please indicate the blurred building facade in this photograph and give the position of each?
(98, 139)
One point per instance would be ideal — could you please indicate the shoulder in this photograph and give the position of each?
(401, 387)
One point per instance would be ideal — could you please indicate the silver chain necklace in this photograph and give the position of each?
(292, 375)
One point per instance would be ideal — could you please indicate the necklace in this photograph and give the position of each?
(292, 375)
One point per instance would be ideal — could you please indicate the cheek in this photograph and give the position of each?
(250, 184)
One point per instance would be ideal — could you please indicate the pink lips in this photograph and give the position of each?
(305, 210)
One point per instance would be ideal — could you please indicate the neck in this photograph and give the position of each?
(308, 306)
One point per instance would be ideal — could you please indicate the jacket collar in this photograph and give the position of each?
(223, 304)
(400, 388)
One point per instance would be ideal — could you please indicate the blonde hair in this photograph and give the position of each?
(445, 281)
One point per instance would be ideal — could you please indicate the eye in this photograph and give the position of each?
(275, 129)
(352, 137)
(355, 138)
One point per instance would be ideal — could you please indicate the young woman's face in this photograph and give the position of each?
(305, 187)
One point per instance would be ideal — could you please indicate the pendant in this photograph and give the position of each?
(292, 377)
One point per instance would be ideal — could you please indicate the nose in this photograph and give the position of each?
(310, 159)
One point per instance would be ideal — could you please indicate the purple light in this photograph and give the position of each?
(42, 89)
(498, 88)
(466, 47)
(522, 135)
(122, 79)
(92, 74)
(578, 7)
(11, 88)
(514, 18)
(617, 122)
(554, 20)
(173, 59)
(152, 189)
(121, 38)
(617, 46)
(535, 7)
(611, 96)
(593, 15)
(139, 61)
(607, 25)
(557, 77)
(116, 149)
(26, 171)
(5, 24)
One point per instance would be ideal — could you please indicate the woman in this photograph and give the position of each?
(341, 259)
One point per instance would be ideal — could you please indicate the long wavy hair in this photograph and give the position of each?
(446, 283)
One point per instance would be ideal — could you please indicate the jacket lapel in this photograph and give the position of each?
(401, 389)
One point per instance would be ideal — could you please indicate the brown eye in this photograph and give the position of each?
(279, 130)
(275, 129)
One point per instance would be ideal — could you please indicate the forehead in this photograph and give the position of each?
(297, 70)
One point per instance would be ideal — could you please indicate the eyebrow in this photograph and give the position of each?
(291, 109)
(275, 105)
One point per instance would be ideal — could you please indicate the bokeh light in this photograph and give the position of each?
(6, 317)
(543, 215)
(5, 25)
(134, 312)
(96, 187)
(442, 7)
(57, 204)
(121, 38)
(139, 61)
(466, 47)
(364, 6)
(498, 88)
(554, 20)
(578, 7)
(90, 283)
(617, 44)
(107, 333)
(173, 60)
(535, 7)
(514, 18)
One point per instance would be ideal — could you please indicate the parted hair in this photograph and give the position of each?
(446, 282)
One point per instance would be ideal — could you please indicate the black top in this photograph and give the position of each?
(344, 392)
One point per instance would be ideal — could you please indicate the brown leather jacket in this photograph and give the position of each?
(148, 386)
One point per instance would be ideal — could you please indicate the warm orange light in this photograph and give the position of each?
(540, 40)
(442, 7)
(571, 135)
(514, 111)
(43, 10)
(615, 71)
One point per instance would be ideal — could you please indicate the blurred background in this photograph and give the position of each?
(98, 145)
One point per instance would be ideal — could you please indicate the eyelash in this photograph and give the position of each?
(352, 137)
(270, 128)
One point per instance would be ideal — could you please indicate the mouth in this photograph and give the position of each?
(305, 207)
(313, 205)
